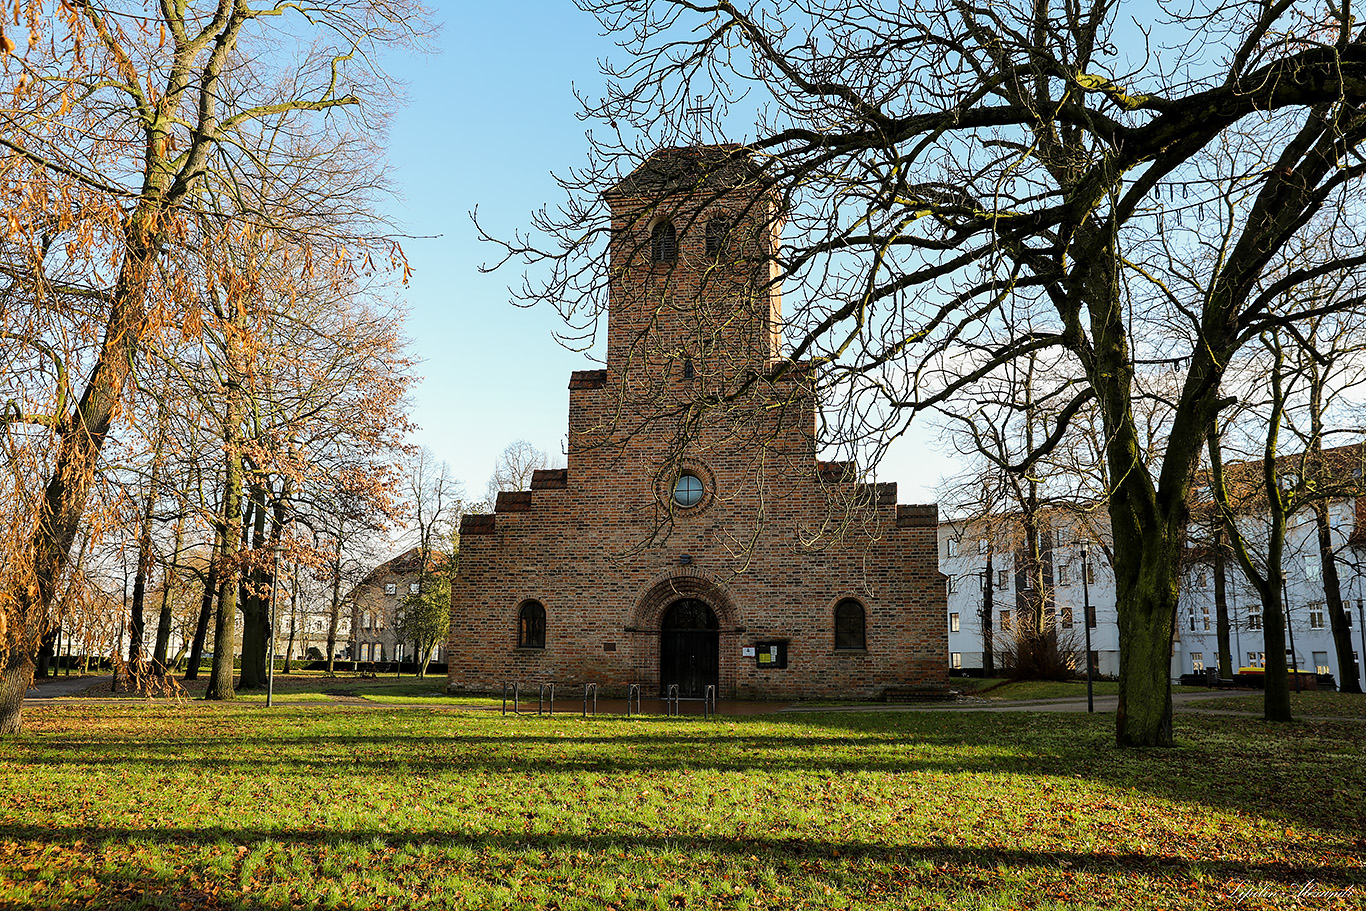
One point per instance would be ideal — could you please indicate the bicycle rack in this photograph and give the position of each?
(590, 689)
(671, 707)
(544, 706)
(633, 696)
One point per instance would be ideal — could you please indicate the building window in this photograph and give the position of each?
(365, 620)
(1088, 571)
(531, 625)
(689, 371)
(1254, 619)
(1256, 659)
(717, 229)
(1091, 616)
(955, 659)
(1204, 608)
(1202, 580)
(1321, 663)
(413, 588)
(849, 625)
(1313, 568)
(1067, 618)
(664, 243)
(1316, 616)
(1002, 578)
(951, 547)
(953, 623)
(952, 583)
(981, 545)
(1005, 620)
(1198, 662)
(1060, 575)
(391, 588)
(688, 490)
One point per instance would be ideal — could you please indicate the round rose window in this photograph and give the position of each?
(688, 490)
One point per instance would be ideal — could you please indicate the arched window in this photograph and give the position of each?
(664, 243)
(716, 235)
(849, 625)
(531, 625)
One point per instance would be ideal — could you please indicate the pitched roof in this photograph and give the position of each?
(685, 169)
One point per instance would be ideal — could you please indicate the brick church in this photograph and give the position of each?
(694, 538)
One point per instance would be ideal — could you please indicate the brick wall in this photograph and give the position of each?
(778, 538)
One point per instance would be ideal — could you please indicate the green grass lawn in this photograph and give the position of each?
(210, 806)
(1050, 689)
(1331, 705)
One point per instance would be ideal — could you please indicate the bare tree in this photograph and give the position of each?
(517, 463)
(966, 185)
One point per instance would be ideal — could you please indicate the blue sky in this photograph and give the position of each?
(489, 117)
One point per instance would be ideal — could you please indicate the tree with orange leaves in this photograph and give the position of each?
(119, 133)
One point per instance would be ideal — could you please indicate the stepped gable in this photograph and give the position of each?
(917, 516)
(588, 379)
(477, 525)
(835, 472)
(550, 479)
(513, 501)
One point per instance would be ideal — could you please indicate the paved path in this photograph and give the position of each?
(55, 687)
(73, 687)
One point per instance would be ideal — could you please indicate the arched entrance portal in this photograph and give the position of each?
(689, 648)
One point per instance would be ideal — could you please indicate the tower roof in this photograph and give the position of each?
(683, 169)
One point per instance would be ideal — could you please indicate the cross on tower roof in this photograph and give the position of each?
(698, 110)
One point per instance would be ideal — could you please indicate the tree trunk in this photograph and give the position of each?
(201, 628)
(1146, 603)
(254, 605)
(1221, 606)
(987, 612)
(78, 454)
(1332, 595)
(14, 683)
(293, 618)
(1276, 701)
(46, 651)
(220, 683)
(164, 618)
(334, 619)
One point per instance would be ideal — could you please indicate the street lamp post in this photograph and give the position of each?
(1294, 658)
(1361, 627)
(1086, 624)
(270, 629)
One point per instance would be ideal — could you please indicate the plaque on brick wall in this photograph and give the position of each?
(747, 652)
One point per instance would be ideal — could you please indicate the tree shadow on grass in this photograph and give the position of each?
(847, 863)
(1305, 774)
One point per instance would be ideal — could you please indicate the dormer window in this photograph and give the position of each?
(664, 243)
(716, 235)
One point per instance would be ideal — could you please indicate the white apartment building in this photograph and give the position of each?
(966, 549)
